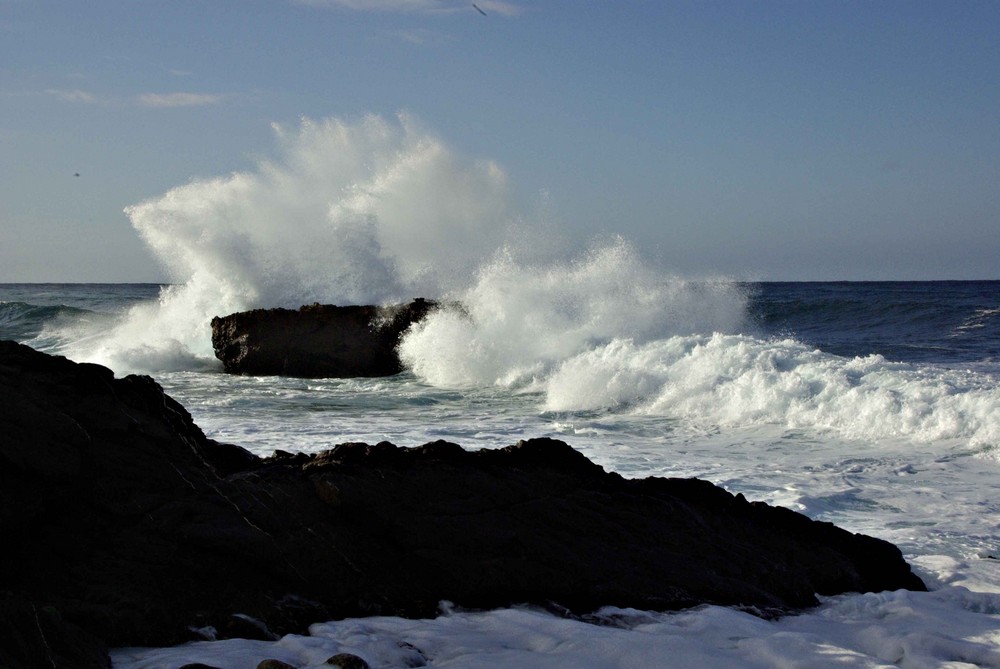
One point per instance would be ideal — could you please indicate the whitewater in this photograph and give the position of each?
(873, 406)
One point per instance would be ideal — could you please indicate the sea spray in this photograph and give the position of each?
(349, 214)
(379, 211)
(520, 320)
(364, 213)
(608, 333)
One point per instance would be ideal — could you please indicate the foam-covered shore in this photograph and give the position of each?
(126, 526)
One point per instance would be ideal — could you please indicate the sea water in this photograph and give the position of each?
(871, 405)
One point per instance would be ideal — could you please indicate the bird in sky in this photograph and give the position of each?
(478, 9)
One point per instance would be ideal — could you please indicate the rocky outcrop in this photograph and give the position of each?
(316, 340)
(122, 524)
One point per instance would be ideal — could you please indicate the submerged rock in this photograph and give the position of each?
(274, 664)
(347, 661)
(122, 524)
(316, 340)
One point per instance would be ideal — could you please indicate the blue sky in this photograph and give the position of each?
(760, 140)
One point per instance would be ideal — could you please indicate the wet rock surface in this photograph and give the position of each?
(316, 340)
(122, 524)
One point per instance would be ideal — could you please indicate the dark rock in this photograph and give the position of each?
(413, 656)
(113, 510)
(274, 664)
(36, 635)
(241, 626)
(122, 524)
(347, 661)
(316, 340)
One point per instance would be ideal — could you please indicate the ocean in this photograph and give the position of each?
(874, 406)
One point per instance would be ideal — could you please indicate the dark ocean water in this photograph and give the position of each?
(943, 322)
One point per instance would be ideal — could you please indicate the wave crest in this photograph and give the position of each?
(518, 321)
(738, 380)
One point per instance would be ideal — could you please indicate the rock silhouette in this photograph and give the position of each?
(122, 524)
(316, 340)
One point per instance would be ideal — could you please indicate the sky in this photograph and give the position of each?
(764, 140)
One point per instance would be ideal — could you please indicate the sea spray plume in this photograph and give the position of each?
(519, 321)
(364, 213)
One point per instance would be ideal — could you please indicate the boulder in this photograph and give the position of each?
(122, 524)
(316, 340)
(347, 661)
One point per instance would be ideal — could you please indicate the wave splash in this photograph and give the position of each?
(518, 322)
(606, 333)
(379, 211)
(363, 213)
(739, 380)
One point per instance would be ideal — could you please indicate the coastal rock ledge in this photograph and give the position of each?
(317, 340)
(121, 524)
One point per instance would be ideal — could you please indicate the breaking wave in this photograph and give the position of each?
(382, 211)
(370, 212)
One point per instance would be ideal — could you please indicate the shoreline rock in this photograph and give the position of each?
(122, 524)
(316, 340)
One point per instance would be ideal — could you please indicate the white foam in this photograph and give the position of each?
(606, 332)
(736, 380)
(937, 504)
(951, 627)
(519, 320)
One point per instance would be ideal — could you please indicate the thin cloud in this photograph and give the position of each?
(408, 6)
(180, 99)
(76, 95)
(417, 6)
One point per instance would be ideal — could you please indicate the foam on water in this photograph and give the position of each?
(933, 501)
(951, 626)
(518, 319)
(380, 211)
(606, 332)
(734, 380)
